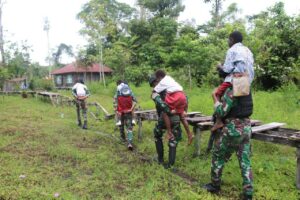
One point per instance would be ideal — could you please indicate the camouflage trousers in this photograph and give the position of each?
(235, 137)
(126, 122)
(81, 104)
(160, 128)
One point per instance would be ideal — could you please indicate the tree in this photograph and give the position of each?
(106, 19)
(217, 22)
(62, 48)
(119, 58)
(216, 11)
(275, 42)
(163, 8)
(18, 59)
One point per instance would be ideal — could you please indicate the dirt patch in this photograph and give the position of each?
(9, 131)
(87, 143)
(120, 187)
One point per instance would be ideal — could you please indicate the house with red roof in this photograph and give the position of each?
(68, 75)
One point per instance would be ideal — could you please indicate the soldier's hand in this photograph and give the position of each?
(170, 136)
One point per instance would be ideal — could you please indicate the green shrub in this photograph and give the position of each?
(41, 84)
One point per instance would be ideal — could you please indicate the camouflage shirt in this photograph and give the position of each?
(233, 126)
(160, 105)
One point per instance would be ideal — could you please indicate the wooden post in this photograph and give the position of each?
(298, 168)
(140, 127)
(197, 142)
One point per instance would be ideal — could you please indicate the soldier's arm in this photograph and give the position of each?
(74, 93)
(160, 103)
(87, 92)
(133, 97)
(223, 108)
(115, 103)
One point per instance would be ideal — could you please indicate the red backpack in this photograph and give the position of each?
(124, 104)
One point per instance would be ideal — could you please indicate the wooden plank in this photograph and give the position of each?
(144, 111)
(208, 123)
(96, 118)
(265, 137)
(110, 116)
(195, 120)
(193, 114)
(255, 122)
(268, 126)
(295, 137)
(103, 109)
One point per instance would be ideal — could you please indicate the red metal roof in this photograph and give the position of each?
(70, 68)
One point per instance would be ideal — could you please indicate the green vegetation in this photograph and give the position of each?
(43, 153)
(44, 144)
(152, 38)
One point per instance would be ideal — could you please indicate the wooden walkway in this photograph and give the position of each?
(151, 115)
(271, 132)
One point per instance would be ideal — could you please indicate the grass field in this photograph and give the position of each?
(44, 154)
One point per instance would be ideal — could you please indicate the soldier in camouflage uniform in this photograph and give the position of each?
(81, 93)
(160, 127)
(235, 137)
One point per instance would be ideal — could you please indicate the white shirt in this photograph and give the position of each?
(80, 89)
(238, 59)
(168, 84)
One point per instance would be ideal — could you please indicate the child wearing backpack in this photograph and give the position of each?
(125, 102)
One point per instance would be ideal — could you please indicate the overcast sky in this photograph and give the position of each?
(24, 19)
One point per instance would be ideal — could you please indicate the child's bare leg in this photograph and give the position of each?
(133, 117)
(168, 125)
(187, 128)
(217, 125)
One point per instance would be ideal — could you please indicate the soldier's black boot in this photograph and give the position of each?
(84, 125)
(160, 150)
(79, 123)
(122, 133)
(212, 188)
(247, 197)
(172, 153)
(122, 137)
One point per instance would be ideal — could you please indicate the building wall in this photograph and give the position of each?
(68, 80)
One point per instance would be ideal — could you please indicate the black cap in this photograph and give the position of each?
(151, 80)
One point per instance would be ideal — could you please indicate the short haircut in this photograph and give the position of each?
(236, 36)
(160, 73)
(119, 82)
(81, 81)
